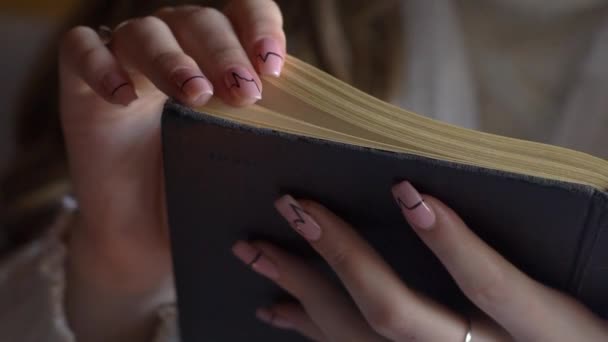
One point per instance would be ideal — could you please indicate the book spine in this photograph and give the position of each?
(589, 281)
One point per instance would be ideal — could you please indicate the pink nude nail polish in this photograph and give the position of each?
(119, 89)
(192, 84)
(242, 84)
(269, 57)
(254, 257)
(299, 219)
(418, 213)
(269, 317)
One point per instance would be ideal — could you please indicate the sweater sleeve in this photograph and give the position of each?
(32, 291)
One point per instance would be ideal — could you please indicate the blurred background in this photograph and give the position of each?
(26, 27)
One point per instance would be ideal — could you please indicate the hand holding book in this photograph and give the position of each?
(384, 307)
(111, 127)
(112, 93)
(543, 208)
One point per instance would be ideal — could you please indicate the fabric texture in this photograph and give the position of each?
(32, 286)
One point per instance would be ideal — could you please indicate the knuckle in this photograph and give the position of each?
(389, 320)
(90, 57)
(338, 256)
(168, 61)
(273, 6)
(202, 12)
(76, 33)
(93, 69)
(149, 21)
(269, 14)
(73, 37)
(207, 19)
(138, 24)
(489, 292)
(227, 54)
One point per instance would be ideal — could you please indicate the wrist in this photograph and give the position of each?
(111, 294)
(112, 262)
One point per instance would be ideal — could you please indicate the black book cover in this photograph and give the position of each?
(222, 179)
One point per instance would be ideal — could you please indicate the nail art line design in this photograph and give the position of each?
(190, 79)
(298, 218)
(419, 214)
(237, 83)
(255, 259)
(118, 87)
(298, 211)
(270, 317)
(268, 54)
(269, 61)
(402, 204)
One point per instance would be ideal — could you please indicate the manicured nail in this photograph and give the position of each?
(268, 316)
(269, 57)
(299, 219)
(240, 81)
(418, 213)
(192, 84)
(119, 88)
(254, 258)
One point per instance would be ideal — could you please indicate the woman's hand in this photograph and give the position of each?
(383, 308)
(111, 100)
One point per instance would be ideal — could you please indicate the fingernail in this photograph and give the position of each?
(254, 258)
(119, 88)
(418, 213)
(243, 84)
(269, 57)
(299, 219)
(192, 84)
(268, 316)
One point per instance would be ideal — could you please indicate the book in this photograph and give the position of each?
(545, 208)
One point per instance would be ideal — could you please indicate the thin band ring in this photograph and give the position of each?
(469, 335)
